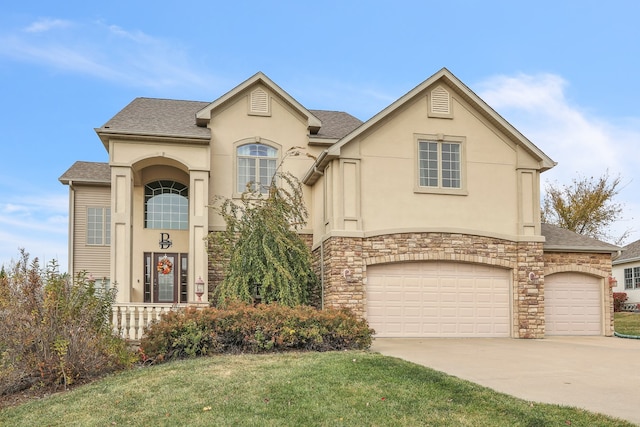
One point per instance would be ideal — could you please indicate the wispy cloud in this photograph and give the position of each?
(46, 24)
(37, 223)
(35, 214)
(577, 140)
(582, 144)
(107, 52)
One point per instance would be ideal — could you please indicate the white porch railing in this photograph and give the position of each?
(630, 306)
(130, 319)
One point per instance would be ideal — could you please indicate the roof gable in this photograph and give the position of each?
(204, 115)
(460, 89)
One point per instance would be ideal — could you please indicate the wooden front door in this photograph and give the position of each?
(166, 278)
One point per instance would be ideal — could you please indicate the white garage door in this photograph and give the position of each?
(438, 299)
(572, 304)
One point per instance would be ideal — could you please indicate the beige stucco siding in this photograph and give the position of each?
(126, 152)
(387, 189)
(232, 126)
(93, 259)
(134, 163)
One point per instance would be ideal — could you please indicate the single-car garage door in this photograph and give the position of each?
(438, 299)
(573, 304)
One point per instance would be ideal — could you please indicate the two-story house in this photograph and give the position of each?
(425, 219)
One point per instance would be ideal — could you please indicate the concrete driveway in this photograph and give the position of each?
(599, 374)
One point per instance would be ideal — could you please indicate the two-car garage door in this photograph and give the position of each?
(438, 299)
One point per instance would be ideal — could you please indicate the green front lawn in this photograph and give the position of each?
(627, 323)
(347, 388)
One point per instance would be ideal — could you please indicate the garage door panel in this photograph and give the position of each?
(413, 312)
(501, 299)
(448, 297)
(466, 297)
(573, 304)
(466, 312)
(455, 299)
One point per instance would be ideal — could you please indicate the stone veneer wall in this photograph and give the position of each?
(595, 264)
(346, 260)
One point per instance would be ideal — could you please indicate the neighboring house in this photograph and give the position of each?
(424, 219)
(626, 270)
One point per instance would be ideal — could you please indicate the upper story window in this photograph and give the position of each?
(98, 226)
(440, 165)
(166, 205)
(256, 167)
(632, 278)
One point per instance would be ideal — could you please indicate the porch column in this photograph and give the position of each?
(121, 223)
(198, 229)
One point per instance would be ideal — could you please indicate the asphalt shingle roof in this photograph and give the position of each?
(159, 117)
(178, 118)
(631, 252)
(171, 117)
(88, 173)
(561, 239)
(335, 124)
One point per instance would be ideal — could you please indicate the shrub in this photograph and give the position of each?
(619, 298)
(243, 328)
(54, 330)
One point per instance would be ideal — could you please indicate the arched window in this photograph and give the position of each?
(256, 167)
(166, 205)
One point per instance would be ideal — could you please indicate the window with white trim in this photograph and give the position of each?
(98, 226)
(632, 278)
(440, 164)
(256, 167)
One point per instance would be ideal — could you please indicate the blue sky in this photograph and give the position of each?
(565, 73)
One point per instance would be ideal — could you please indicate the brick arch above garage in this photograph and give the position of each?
(596, 264)
(575, 268)
(355, 254)
(440, 256)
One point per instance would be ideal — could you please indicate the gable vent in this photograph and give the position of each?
(259, 102)
(440, 101)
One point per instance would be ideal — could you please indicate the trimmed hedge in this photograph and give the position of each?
(242, 328)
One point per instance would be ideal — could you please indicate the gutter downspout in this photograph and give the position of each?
(72, 207)
(322, 275)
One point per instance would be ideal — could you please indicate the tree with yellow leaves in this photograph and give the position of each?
(586, 206)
